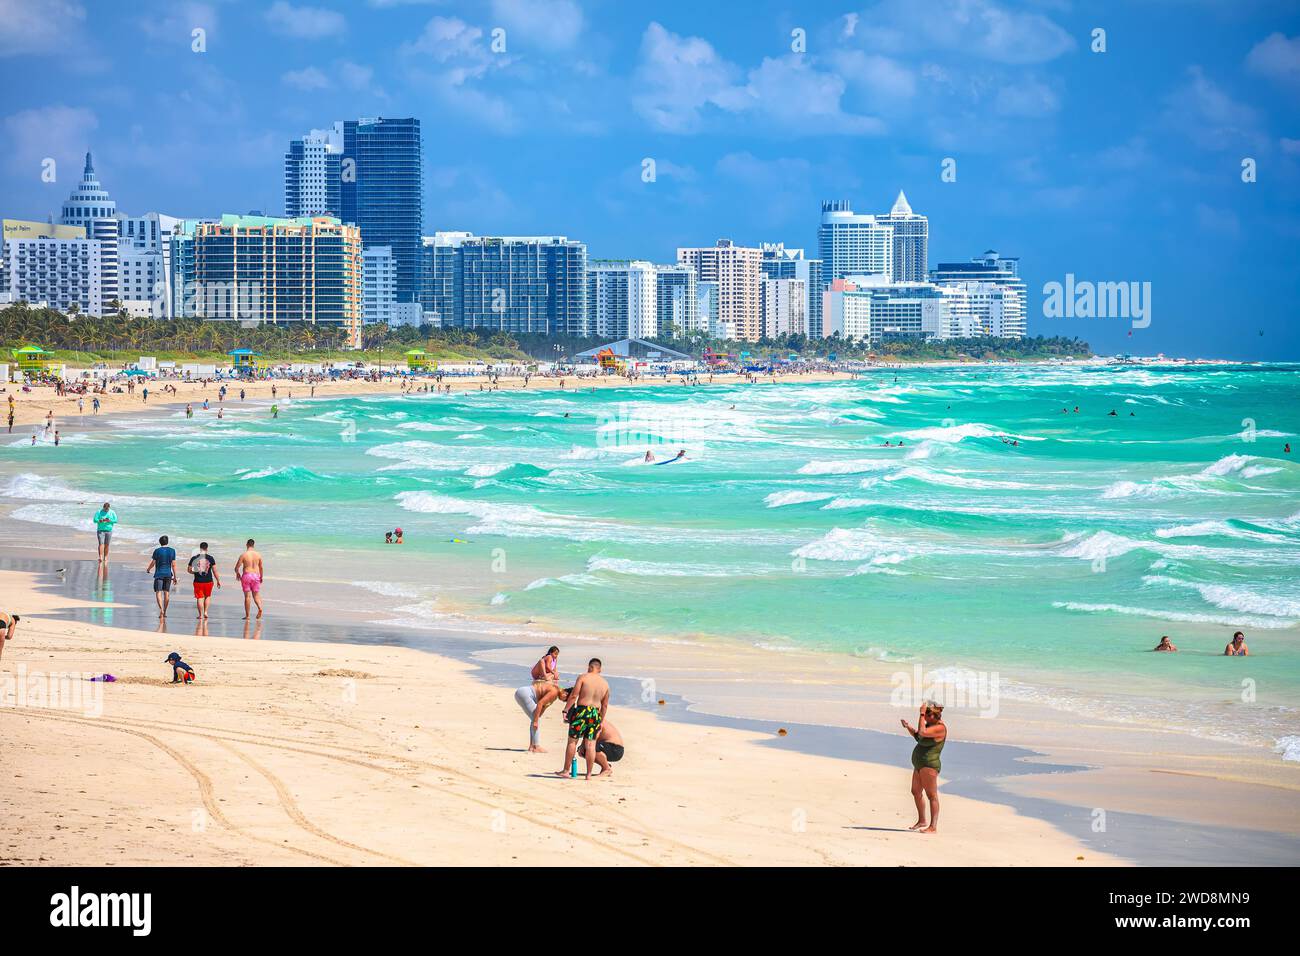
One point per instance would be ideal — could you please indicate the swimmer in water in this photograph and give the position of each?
(1113, 413)
(1165, 645)
(1237, 647)
(649, 456)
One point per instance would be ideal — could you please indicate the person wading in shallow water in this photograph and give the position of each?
(930, 733)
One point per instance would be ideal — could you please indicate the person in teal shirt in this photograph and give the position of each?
(104, 520)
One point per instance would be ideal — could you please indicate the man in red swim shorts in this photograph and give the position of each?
(203, 567)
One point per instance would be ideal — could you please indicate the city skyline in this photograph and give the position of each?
(1115, 166)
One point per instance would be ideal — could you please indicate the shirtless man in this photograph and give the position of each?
(588, 704)
(1237, 647)
(249, 571)
(609, 748)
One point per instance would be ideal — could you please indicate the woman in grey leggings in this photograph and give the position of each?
(533, 699)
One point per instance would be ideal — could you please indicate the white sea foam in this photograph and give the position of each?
(845, 466)
(486, 471)
(34, 487)
(1288, 747)
(392, 589)
(779, 499)
(656, 569)
(1265, 623)
(1231, 598)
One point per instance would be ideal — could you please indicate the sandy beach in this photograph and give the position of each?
(31, 408)
(316, 754)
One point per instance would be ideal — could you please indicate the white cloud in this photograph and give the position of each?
(1210, 117)
(450, 55)
(177, 24)
(62, 133)
(1027, 98)
(27, 27)
(307, 79)
(305, 23)
(550, 24)
(978, 28)
(883, 81)
(355, 76)
(1277, 56)
(678, 78)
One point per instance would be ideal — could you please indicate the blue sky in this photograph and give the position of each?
(1115, 166)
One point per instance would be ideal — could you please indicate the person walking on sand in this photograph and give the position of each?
(250, 572)
(930, 735)
(203, 567)
(588, 704)
(163, 565)
(545, 669)
(104, 520)
(8, 625)
(533, 699)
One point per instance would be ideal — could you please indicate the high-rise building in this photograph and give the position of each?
(54, 265)
(853, 244)
(706, 310)
(621, 299)
(996, 296)
(675, 296)
(872, 308)
(91, 207)
(785, 307)
(313, 174)
(782, 263)
(258, 269)
(736, 271)
(144, 264)
(911, 241)
(382, 191)
(378, 285)
(506, 283)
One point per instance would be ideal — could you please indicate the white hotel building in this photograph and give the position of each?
(622, 300)
(54, 265)
(853, 244)
(144, 264)
(784, 303)
(871, 308)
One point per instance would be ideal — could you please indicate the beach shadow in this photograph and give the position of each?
(883, 829)
(509, 750)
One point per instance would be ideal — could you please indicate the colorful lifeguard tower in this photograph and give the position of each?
(417, 360)
(33, 360)
(248, 362)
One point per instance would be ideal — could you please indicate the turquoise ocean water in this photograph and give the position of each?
(1057, 562)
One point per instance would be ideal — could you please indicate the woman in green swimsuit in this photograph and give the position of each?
(930, 735)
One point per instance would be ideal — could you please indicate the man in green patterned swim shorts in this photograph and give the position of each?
(588, 703)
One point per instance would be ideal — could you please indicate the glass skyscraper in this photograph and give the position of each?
(778, 262)
(381, 174)
(506, 283)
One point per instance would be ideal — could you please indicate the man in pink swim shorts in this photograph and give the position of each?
(250, 572)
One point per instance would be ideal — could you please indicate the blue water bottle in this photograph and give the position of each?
(573, 767)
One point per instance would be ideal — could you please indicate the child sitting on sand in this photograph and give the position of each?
(178, 666)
